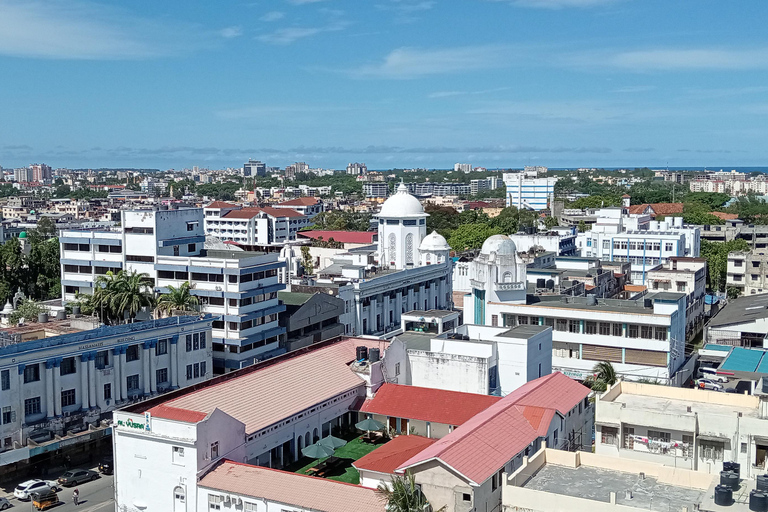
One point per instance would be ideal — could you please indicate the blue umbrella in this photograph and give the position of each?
(369, 424)
(332, 442)
(317, 451)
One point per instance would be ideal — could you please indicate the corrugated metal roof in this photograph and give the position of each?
(174, 413)
(292, 489)
(742, 360)
(389, 456)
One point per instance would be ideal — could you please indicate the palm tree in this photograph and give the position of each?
(404, 495)
(604, 376)
(177, 299)
(101, 300)
(132, 292)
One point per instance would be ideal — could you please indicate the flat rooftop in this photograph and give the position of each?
(432, 313)
(638, 402)
(742, 310)
(417, 340)
(597, 484)
(524, 331)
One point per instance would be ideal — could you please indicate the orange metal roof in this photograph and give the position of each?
(388, 457)
(300, 201)
(174, 413)
(292, 489)
(221, 204)
(248, 213)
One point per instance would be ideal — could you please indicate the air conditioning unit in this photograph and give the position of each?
(239, 501)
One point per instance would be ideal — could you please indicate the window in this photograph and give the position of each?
(668, 246)
(196, 368)
(175, 250)
(68, 366)
(743, 447)
(191, 247)
(658, 435)
(215, 450)
(590, 328)
(202, 369)
(133, 382)
(67, 397)
(711, 450)
(32, 373)
(7, 415)
(737, 263)
(609, 435)
(755, 264)
(522, 320)
(5, 380)
(189, 371)
(605, 329)
(495, 320)
(178, 455)
(196, 341)
(397, 369)
(249, 507)
(687, 445)
(140, 259)
(574, 326)
(161, 347)
(660, 333)
(214, 502)
(561, 324)
(191, 226)
(646, 332)
(466, 497)
(680, 286)
(102, 359)
(633, 331)
(32, 406)
(161, 375)
(132, 353)
(189, 342)
(108, 391)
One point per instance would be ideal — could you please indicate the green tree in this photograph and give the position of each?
(177, 300)
(716, 254)
(471, 236)
(133, 291)
(338, 220)
(699, 213)
(732, 292)
(550, 222)
(712, 200)
(583, 227)
(28, 310)
(306, 260)
(46, 227)
(404, 495)
(604, 376)
(596, 201)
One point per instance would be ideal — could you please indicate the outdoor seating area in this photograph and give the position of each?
(337, 466)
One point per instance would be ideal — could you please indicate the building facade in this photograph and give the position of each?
(253, 226)
(528, 192)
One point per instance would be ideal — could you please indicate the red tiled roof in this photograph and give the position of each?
(293, 489)
(657, 208)
(177, 414)
(426, 404)
(249, 213)
(390, 456)
(476, 204)
(490, 439)
(220, 204)
(345, 237)
(725, 216)
(300, 201)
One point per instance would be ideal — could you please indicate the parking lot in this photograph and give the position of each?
(95, 496)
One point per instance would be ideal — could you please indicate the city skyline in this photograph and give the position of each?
(395, 83)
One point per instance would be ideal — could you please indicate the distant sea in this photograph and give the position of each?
(692, 168)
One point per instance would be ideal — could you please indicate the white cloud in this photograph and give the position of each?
(448, 94)
(404, 63)
(273, 16)
(671, 59)
(290, 35)
(231, 32)
(73, 29)
(557, 4)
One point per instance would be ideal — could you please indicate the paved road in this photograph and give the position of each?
(96, 496)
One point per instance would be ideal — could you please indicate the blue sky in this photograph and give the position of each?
(393, 83)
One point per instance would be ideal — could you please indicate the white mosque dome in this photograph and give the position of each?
(500, 244)
(434, 242)
(402, 204)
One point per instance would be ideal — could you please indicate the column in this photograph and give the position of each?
(152, 368)
(398, 305)
(358, 316)
(57, 386)
(174, 366)
(92, 380)
(116, 397)
(49, 389)
(373, 325)
(83, 381)
(145, 379)
(409, 305)
(123, 376)
(422, 294)
(441, 294)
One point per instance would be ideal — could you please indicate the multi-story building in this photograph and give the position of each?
(357, 169)
(241, 287)
(693, 429)
(153, 186)
(559, 240)
(644, 338)
(23, 175)
(525, 190)
(743, 322)
(62, 385)
(685, 275)
(307, 206)
(40, 172)
(646, 244)
(375, 189)
(254, 168)
(462, 167)
(746, 271)
(264, 225)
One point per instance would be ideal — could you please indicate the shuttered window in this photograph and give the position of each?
(598, 353)
(646, 357)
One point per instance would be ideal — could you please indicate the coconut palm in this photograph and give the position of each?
(132, 292)
(101, 300)
(604, 376)
(177, 299)
(404, 495)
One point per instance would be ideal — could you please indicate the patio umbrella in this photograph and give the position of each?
(332, 442)
(369, 424)
(317, 451)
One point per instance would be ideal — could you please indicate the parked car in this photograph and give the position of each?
(106, 467)
(4, 503)
(44, 499)
(711, 374)
(77, 476)
(708, 384)
(24, 489)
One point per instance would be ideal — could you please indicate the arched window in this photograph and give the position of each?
(307, 441)
(179, 499)
(507, 277)
(315, 437)
(409, 248)
(392, 249)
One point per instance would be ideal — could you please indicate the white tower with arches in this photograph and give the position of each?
(434, 249)
(402, 227)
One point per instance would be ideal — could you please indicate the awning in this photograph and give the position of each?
(608, 424)
(760, 440)
(708, 437)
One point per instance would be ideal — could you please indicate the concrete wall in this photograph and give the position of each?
(451, 372)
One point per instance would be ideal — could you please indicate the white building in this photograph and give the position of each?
(647, 244)
(357, 169)
(153, 186)
(462, 167)
(53, 386)
(686, 428)
(254, 168)
(168, 246)
(685, 275)
(375, 189)
(528, 192)
(643, 338)
(560, 240)
(253, 226)
(307, 206)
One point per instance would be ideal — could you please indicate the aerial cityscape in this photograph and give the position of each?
(399, 256)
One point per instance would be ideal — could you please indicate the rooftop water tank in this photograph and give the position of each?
(723, 495)
(761, 483)
(373, 355)
(758, 501)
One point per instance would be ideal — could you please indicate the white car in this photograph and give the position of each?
(4, 504)
(711, 374)
(24, 489)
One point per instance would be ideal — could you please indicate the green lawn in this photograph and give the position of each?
(353, 450)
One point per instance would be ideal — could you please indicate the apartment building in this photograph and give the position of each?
(307, 206)
(167, 245)
(559, 240)
(254, 168)
(685, 428)
(56, 389)
(525, 190)
(357, 169)
(746, 271)
(265, 225)
(685, 275)
(375, 189)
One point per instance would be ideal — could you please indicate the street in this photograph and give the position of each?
(96, 496)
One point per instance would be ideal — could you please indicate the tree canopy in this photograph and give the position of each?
(716, 254)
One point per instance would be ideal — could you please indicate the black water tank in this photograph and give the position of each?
(762, 482)
(758, 501)
(730, 479)
(362, 353)
(374, 355)
(541, 283)
(727, 466)
(550, 284)
(723, 495)
(736, 468)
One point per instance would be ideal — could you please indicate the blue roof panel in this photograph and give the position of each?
(743, 360)
(715, 346)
